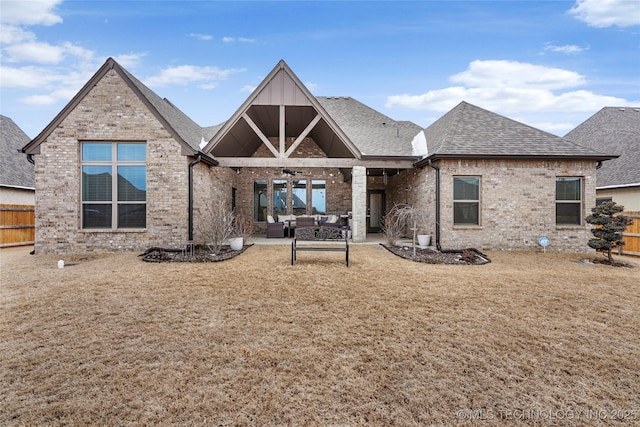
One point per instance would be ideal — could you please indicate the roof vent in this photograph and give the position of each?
(622, 109)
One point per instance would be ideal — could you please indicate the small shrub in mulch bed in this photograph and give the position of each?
(200, 254)
(468, 256)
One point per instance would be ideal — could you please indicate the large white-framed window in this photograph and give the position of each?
(114, 185)
(466, 200)
(568, 201)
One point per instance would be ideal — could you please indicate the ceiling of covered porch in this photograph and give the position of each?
(241, 140)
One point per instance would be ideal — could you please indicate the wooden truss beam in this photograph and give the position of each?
(313, 162)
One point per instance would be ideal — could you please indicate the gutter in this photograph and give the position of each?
(596, 158)
(18, 187)
(614, 186)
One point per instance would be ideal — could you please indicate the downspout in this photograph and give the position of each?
(599, 164)
(191, 165)
(31, 160)
(437, 169)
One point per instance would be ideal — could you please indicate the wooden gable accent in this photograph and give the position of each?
(280, 107)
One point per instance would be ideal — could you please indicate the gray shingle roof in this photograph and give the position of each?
(614, 129)
(470, 131)
(373, 133)
(187, 129)
(15, 170)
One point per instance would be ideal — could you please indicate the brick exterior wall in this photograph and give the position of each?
(210, 184)
(110, 112)
(517, 199)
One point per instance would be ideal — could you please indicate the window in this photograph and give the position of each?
(279, 196)
(299, 195)
(260, 200)
(568, 201)
(601, 200)
(319, 196)
(466, 200)
(114, 185)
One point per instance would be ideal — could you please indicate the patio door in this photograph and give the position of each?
(375, 210)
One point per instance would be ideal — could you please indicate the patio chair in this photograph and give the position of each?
(274, 229)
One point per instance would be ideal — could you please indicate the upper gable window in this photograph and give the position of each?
(114, 185)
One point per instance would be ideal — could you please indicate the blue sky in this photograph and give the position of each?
(550, 64)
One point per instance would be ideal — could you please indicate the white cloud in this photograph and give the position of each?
(45, 53)
(512, 74)
(606, 13)
(201, 36)
(52, 83)
(30, 12)
(510, 87)
(130, 60)
(10, 34)
(51, 98)
(311, 86)
(38, 52)
(238, 39)
(25, 77)
(78, 52)
(556, 128)
(186, 74)
(568, 49)
(248, 88)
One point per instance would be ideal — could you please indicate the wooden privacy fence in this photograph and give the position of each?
(631, 236)
(17, 225)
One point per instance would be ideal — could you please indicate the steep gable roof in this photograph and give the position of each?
(15, 170)
(258, 118)
(184, 130)
(468, 131)
(616, 130)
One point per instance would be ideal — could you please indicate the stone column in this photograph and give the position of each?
(359, 204)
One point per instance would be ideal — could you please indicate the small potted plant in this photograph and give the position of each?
(243, 230)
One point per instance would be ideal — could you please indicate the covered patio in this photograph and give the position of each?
(297, 154)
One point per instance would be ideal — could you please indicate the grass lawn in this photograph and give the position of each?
(529, 338)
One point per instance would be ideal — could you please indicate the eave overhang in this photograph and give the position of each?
(434, 157)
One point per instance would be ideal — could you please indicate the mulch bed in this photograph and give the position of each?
(200, 254)
(614, 264)
(468, 256)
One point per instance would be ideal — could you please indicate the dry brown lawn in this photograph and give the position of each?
(529, 338)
